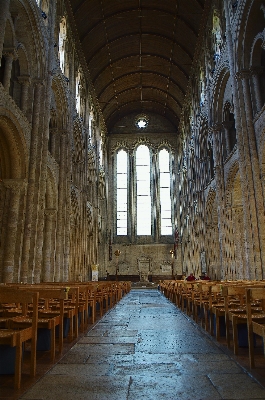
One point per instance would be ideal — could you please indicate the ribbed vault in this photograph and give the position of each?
(139, 53)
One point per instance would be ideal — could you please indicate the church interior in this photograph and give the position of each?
(133, 129)
(132, 137)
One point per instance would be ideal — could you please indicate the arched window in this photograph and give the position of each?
(217, 37)
(143, 195)
(165, 198)
(62, 38)
(143, 191)
(122, 192)
(78, 91)
(202, 88)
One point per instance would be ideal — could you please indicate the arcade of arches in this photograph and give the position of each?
(60, 208)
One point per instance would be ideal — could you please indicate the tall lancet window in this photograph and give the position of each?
(62, 39)
(122, 192)
(143, 192)
(164, 189)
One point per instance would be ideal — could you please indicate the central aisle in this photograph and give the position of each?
(145, 348)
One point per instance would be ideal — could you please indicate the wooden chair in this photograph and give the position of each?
(255, 325)
(16, 337)
(235, 312)
(46, 320)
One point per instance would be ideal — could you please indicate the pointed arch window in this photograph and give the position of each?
(122, 192)
(143, 192)
(78, 91)
(62, 38)
(164, 190)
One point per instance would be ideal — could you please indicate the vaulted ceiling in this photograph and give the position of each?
(139, 53)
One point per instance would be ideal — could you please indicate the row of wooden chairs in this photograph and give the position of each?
(26, 309)
(223, 308)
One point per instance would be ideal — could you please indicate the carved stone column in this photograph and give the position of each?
(9, 57)
(48, 254)
(31, 184)
(4, 11)
(255, 73)
(219, 179)
(13, 186)
(257, 212)
(25, 82)
(243, 148)
(60, 215)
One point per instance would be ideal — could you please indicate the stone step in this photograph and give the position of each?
(144, 285)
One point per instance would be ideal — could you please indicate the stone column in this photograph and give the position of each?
(9, 57)
(25, 82)
(227, 125)
(58, 273)
(4, 12)
(31, 184)
(219, 179)
(243, 149)
(42, 154)
(13, 186)
(257, 213)
(47, 246)
(256, 72)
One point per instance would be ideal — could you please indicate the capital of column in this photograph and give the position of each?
(227, 124)
(24, 80)
(215, 129)
(243, 74)
(256, 70)
(14, 184)
(38, 82)
(10, 53)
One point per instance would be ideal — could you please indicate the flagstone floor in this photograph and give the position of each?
(146, 348)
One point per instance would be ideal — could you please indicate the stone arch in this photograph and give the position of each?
(256, 50)
(13, 152)
(221, 81)
(252, 23)
(24, 63)
(10, 36)
(61, 100)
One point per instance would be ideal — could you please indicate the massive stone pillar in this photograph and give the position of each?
(31, 184)
(257, 211)
(4, 12)
(48, 250)
(243, 151)
(256, 72)
(220, 193)
(42, 155)
(59, 265)
(13, 186)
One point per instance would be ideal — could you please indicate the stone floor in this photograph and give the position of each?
(145, 348)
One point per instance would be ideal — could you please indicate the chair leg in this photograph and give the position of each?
(18, 365)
